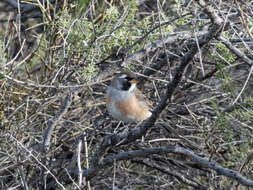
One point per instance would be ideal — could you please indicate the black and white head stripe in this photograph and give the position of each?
(125, 83)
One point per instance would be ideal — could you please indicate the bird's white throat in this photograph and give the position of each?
(132, 88)
(120, 95)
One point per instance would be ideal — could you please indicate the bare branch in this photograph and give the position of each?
(175, 174)
(52, 124)
(205, 163)
(240, 55)
(24, 7)
(116, 66)
(78, 153)
(235, 50)
(31, 155)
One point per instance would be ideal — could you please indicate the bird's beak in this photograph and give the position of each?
(134, 81)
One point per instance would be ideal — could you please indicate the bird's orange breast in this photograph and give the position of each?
(131, 108)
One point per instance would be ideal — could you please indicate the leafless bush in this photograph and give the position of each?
(194, 59)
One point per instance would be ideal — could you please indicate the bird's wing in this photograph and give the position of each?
(142, 99)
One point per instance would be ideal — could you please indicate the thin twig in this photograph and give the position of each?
(36, 159)
(244, 86)
(240, 55)
(78, 152)
(24, 7)
(86, 158)
(52, 124)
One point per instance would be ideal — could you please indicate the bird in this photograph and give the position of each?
(124, 101)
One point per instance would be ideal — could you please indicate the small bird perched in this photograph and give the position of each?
(124, 101)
